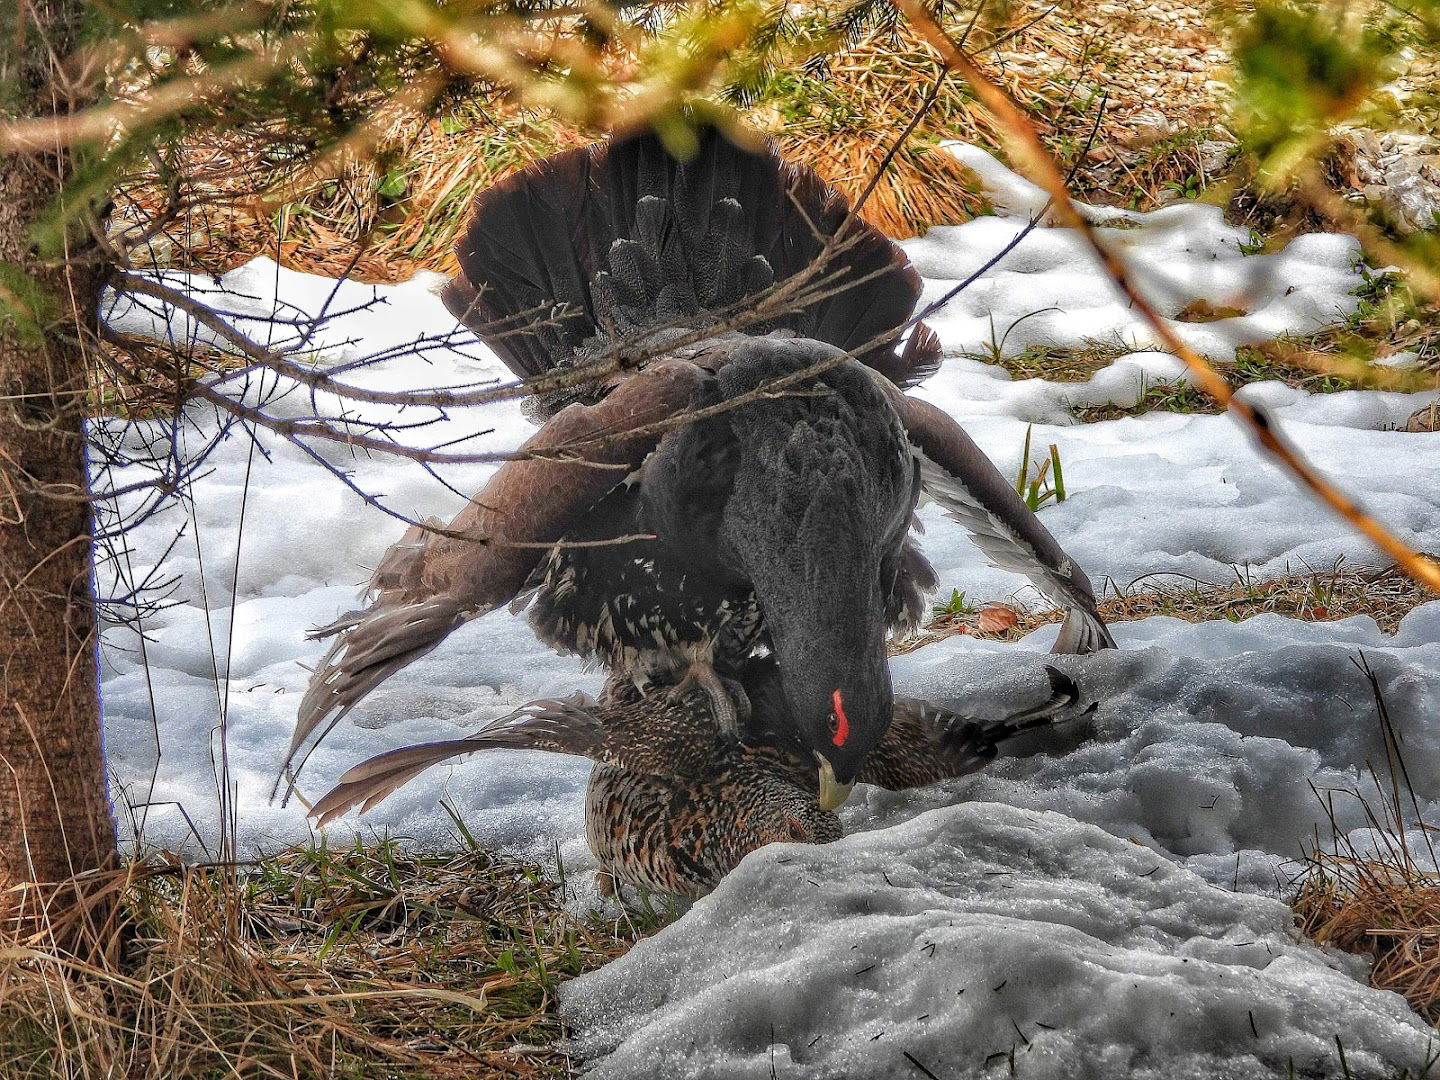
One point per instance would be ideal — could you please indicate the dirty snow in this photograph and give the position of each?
(1198, 762)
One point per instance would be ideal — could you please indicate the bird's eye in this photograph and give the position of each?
(796, 827)
(834, 724)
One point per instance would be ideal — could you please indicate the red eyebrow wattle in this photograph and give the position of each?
(842, 722)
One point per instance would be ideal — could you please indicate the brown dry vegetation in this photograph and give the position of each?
(384, 221)
(1379, 903)
(1386, 910)
(372, 962)
(1387, 596)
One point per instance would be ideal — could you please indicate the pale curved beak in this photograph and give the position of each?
(832, 793)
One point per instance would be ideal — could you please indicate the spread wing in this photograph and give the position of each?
(957, 475)
(429, 583)
(926, 743)
(567, 726)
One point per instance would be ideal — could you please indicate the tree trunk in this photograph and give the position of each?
(55, 816)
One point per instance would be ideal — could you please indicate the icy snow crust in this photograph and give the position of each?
(1202, 750)
(972, 937)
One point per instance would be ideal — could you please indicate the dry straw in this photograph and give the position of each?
(1383, 902)
(382, 215)
(1340, 592)
(367, 962)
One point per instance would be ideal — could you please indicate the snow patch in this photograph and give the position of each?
(972, 934)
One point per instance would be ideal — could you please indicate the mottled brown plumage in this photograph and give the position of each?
(673, 804)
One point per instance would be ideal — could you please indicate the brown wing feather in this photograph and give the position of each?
(565, 727)
(428, 584)
(649, 735)
(926, 743)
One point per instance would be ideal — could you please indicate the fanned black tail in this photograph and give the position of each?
(622, 243)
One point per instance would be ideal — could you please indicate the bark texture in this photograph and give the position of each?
(55, 816)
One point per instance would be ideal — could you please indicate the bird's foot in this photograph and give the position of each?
(729, 703)
(738, 696)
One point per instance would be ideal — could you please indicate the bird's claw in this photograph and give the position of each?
(739, 698)
(729, 703)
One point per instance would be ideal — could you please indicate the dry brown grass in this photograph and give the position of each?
(1379, 903)
(382, 218)
(924, 186)
(372, 962)
(1388, 911)
(1387, 596)
(384, 223)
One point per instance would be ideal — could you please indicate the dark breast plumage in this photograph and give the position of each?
(789, 514)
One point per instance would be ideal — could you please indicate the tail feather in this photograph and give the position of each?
(528, 233)
(612, 240)
(914, 582)
(369, 647)
(375, 780)
(916, 360)
(1064, 694)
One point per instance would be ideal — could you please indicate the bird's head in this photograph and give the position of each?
(784, 814)
(827, 736)
(840, 706)
(827, 695)
(825, 617)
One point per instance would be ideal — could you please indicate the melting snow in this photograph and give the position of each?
(975, 940)
(1094, 878)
